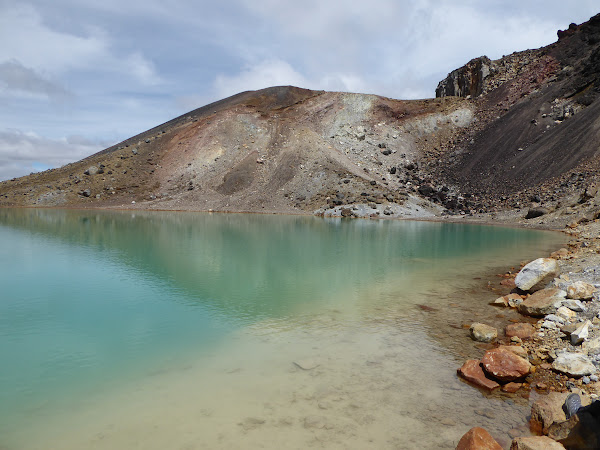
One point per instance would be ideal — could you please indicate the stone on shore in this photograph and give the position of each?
(516, 349)
(535, 443)
(581, 333)
(537, 211)
(580, 291)
(536, 274)
(477, 439)
(504, 365)
(483, 333)
(574, 364)
(592, 347)
(543, 302)
(560, 253)
(574, 305)
(566, 313)
(546, 411)
(472, 372)
(512, 387)
(520, 330)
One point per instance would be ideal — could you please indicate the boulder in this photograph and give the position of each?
(535, 443)
(546, 411)
(536, 274)
(504, 365)
(543, 302)
(580, 291)
(520, 330)
(536, 212)
(482, 332)
(573, 364)
(477, 439)
(92, 170)
(472, 372)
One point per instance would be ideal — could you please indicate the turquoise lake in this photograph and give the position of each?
(197, 330)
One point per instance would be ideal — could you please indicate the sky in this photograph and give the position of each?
(77, 76)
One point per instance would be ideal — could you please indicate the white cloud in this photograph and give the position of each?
(24, 36)
(16, 79)
(258, 76)
(24, 152)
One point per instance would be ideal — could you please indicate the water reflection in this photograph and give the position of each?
(250, 266)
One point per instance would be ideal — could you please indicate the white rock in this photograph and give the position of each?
(536, 273)
(591, 347)
(574, 364)
(555, 318)
(581, 333)
(581, 290)
(482, 332)
(514, 302)
(574, 305)
(566, 313)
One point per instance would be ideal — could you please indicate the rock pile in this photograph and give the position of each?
(561, 350)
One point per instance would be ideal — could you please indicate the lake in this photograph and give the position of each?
(123, 330)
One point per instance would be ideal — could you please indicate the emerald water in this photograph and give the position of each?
(189, 330)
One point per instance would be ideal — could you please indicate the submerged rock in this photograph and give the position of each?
(307, 364)
(482, 332)
(536, 274)
(472, 372)
(520, 330)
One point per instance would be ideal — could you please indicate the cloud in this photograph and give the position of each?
(258, 76)
(25, 36)
(24, 152)
(16, 78)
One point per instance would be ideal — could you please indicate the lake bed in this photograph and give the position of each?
(190, 330)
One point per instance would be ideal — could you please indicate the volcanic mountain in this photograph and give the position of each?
(499, 134)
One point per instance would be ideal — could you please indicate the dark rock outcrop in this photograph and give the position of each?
(467, 80)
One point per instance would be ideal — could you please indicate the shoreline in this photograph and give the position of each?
(550, 340)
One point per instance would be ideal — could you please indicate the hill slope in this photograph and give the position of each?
(500, 134)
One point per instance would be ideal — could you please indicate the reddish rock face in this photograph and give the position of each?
(504, 365)
(473, 373)
(520, 330)
(477, 439)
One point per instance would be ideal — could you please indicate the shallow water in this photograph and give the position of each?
(184, 330)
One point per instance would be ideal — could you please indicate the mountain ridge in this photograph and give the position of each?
(523, 127)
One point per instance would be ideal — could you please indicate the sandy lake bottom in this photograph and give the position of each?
(154, 331)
